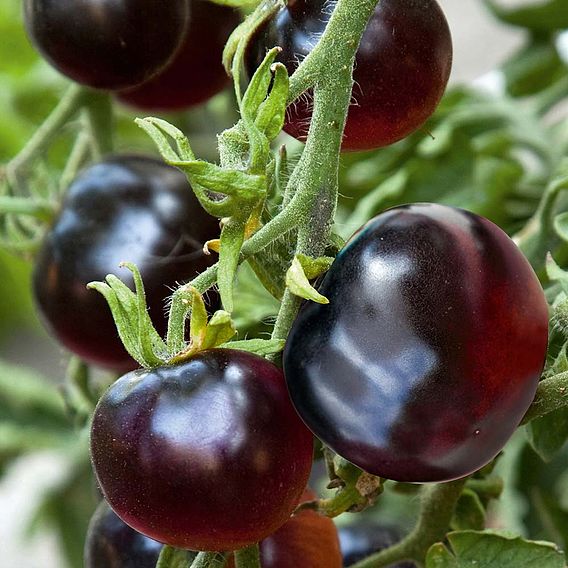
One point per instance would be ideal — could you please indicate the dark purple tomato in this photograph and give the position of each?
(113, 544)
(125, 208)
(107, 44)
(196, 73)
(430, 350)
(363, 539)
(205, 455)
(401, 69)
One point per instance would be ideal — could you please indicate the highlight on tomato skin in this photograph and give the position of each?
(107, 44)
(125, 208)
(196, 73)
(430, 351)
(111, 543)
(207, 455)
(401, 70)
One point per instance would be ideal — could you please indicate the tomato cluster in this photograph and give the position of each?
(402, 66)
(167, 55)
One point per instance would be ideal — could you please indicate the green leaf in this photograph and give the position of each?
(440, 557)
(491, 549)
(549, 434)
(538, 16)
(298, 283)
(314, 267)
(469, 513)
(561, 226)
(272, 112)
(260, 347)
(257, 89)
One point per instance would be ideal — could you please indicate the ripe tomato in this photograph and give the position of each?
(308, 540)
(363, 539)
(401, 69)
(125, 208)
(430, 351)
(205, 455)
(107, 44)
(113, 544)
(196, 73)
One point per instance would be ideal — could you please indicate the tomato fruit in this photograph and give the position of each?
(107, 44)
(430, 350)
(362, 539)
(125, 208)
(401, 70)
(196, 73)
(308, 539)
(113, 544)
(205, 455)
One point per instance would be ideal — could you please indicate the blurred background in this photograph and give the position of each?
(38, 491)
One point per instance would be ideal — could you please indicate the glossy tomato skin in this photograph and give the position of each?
(196, 73)
(430, 351)
(362, 539)
(111, 543)
(205, 455)
(402, 66)
(126, 208)
(308, 539)
(107, 44)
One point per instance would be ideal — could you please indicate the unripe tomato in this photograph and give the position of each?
(402, 66)
(205, 455)
(107, 44)
(113, 544)
(125, 208)
(196, 73)
(430, 350)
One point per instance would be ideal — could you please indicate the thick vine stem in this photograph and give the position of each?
(248, 557)
(99, 111)
(438, 504)
(71, 102)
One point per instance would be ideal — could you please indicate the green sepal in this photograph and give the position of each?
(219, 330)
(130, 313)
(493, 549)
(171, 557)
(233, 54)
(258, 87)
(469, 513)
(272, 112)
(159, 130)
(297, 277)
(232, 239)
(561, 226)
(260, 347)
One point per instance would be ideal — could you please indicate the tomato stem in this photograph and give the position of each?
(100, 114)
(248, 557)
(209, 560)
(71, 102)
(551, 395)
(438, 504)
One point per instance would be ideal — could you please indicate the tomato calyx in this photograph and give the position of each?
(356, 489)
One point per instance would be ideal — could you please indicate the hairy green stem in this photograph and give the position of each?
(551, 395)
(248, 557)
(209, 560)
(68, 106)
(171, 557)
(99, 112)
(77, 157)
(438, 504)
